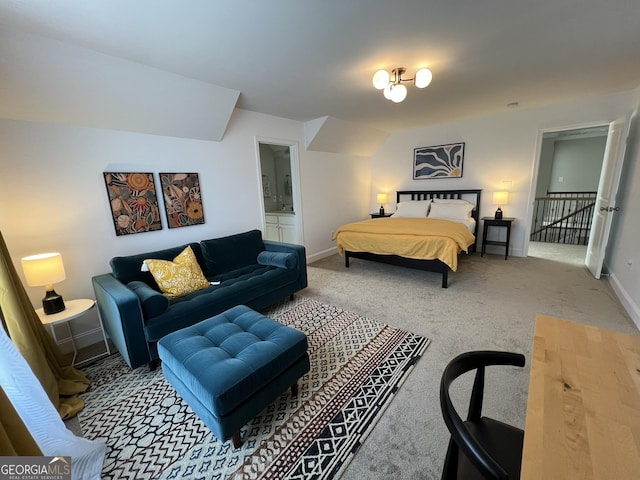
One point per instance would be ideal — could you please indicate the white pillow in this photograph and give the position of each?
(451, 200)
(412, 208)
(451, 211)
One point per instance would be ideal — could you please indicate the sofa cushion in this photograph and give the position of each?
(241, 290)
(278, 259)
(232, 252)
(179, 277)
(128, 268)
(237, 273)
(153, 303)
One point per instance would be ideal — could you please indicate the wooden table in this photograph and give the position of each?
(496, 222)
(583, 409)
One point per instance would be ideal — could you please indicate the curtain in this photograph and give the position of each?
(61, 383)
(15, 439)
(32, 405)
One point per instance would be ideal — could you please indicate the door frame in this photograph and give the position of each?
(536, 167)
(294, 160)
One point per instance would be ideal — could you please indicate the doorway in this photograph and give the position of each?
(569, 168)
(602, 203)
(280, 190)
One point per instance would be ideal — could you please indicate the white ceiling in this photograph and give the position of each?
(304, 59)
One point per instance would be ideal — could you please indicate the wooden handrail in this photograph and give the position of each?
(566, 217)
(563, 219)
(572, 199)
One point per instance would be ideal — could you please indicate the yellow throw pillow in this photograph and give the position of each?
(180, 277)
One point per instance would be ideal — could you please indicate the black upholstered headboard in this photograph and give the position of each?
(471, 196)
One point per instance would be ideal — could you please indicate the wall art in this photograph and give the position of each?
(440, 161)
(182, 199)
(134, 202)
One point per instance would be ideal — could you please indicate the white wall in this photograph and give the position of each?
(623, 261)
(53, 197)
(498, 148)
(577, 165)
(339, 186)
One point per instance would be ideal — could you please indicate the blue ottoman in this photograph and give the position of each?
(230, 367)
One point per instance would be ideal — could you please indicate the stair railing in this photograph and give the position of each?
(563, 217)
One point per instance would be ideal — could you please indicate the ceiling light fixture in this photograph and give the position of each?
(393, 89)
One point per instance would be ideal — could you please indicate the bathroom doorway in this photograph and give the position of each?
(278, 165)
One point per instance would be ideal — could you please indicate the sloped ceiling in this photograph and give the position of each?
(49, 81)
(310, 60)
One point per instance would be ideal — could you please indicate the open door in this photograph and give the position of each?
(606, 199)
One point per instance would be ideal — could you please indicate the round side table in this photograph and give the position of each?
(74, 309)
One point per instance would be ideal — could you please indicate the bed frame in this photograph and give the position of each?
(472, 196)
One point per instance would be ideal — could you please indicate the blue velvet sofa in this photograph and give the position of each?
(251, 272)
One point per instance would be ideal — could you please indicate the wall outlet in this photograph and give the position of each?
(332, 233)
(630, 264)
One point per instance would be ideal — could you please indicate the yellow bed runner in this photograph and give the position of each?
(419, 238)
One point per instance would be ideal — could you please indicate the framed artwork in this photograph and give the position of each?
(182, 199)
(133, 201)
(440, 161)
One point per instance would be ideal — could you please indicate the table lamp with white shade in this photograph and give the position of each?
(382, 199)
(500, 198)
(43, 270)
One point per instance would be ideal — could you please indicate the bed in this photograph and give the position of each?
(413, 240)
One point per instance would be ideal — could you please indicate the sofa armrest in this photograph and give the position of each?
(153, 303)
(299, 250)
(285, 260)
(121, 316)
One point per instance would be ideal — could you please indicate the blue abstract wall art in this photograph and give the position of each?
(440, 161)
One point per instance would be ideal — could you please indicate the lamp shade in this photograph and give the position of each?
(398, 93)
(500, 198)
(387, 91)
(423, 78)
(382, 198)
(43, 269)
(380, 79)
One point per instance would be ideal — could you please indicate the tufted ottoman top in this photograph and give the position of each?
(225, 359)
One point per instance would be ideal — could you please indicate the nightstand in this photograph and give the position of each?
(493, 222)
(74, 309)
(384, 215)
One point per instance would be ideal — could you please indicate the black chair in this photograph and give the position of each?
(480, 447)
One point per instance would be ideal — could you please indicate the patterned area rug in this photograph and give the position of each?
(357, 364)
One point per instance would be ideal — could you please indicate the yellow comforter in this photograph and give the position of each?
(421, 238)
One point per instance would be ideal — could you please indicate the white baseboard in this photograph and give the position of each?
(320, 255)
(627, 302)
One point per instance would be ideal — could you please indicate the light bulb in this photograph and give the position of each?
(398, 93)
(387, 91)
(423, 78)
(380, 79)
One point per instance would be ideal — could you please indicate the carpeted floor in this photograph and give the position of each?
(357, 366)
(490, 304)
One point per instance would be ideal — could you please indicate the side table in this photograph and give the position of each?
(74, 309)
(493, 222)
(384, 215)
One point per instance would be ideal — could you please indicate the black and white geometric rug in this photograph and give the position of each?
(357, 364)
